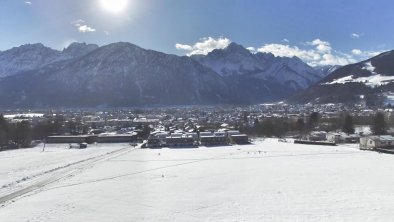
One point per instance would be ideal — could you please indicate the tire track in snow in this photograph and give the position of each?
(62, 172)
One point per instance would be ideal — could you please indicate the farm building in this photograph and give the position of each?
(372, 142)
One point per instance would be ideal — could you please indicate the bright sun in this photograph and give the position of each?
(114, 6)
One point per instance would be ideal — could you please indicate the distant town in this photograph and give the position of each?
(193, 126)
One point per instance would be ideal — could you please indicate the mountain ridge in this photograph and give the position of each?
(124, 74)
(373, 77)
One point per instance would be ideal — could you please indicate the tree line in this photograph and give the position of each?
(21, 134)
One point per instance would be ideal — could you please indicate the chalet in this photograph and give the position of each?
(373, 142)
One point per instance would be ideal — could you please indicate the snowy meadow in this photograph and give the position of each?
(265, 181)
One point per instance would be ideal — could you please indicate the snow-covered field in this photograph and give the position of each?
(267, 181)
(18, 166)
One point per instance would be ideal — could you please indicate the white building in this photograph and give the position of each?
(372, 142)
(343, 138)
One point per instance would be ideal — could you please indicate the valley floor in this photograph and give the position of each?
(265, 181)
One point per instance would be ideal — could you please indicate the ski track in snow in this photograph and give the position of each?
(34, 182)
(266, 181)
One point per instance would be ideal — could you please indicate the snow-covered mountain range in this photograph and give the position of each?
(123, 74)
(236, 60)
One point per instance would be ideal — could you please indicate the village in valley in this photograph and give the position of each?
(193, 126)
(154, 156)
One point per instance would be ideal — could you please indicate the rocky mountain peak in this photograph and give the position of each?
(236, 48)
(77, 49)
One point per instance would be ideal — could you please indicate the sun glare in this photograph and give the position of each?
(114, 6)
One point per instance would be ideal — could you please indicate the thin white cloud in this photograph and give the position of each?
(282, 50)
(82, 27)
(204, 46)
(28, 3)
(183, 47)
(285, 40)
(366, 54)
(316, 53)
(355, 36)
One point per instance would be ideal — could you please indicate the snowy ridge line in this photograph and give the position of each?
(60, 173)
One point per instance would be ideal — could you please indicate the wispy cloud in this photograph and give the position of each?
(204, 45)
(355, 36)
(28, 3)
(82, 27)
(367, 53)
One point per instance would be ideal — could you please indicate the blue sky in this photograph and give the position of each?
(319, 32)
